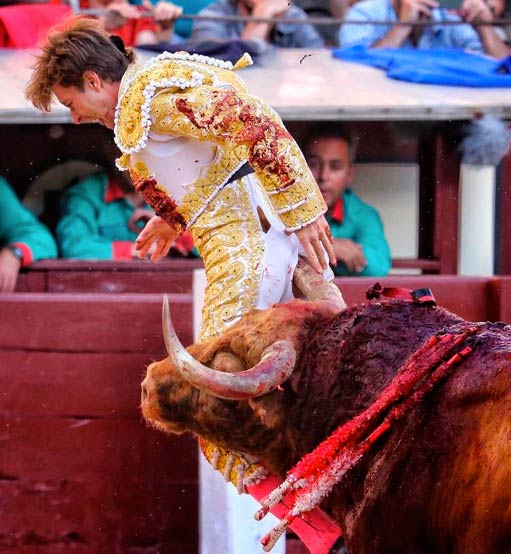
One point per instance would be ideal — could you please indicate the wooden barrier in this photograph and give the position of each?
(474, 298)
(79, 470)
(173, 275)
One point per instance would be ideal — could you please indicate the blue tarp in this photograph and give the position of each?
(434, 67)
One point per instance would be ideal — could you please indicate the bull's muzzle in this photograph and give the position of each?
(147, 390)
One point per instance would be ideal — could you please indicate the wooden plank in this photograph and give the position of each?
(31, 281)
(63, 384)
(90, 322)
(503, 221)
(92, 517)
(439, 194)
(465, 296)
(428, 266)
(93, 450)
(148, 281)
(498, 298)
(446, 215)
(90, 266)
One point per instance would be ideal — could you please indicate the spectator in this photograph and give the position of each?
(287, 35)
(23, 239)
(101, 218)
(183, 27)
(128, 22)
(325, 8)
(479, 39)
(359, 240)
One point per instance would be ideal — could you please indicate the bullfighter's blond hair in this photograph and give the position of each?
(76, 45)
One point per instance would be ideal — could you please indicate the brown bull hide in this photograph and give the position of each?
(438, 483)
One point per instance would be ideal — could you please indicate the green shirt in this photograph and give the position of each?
(94, 222)
(19, 226)
(92, 225)
(362, 224)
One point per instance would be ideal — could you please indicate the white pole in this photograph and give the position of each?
(476, 254)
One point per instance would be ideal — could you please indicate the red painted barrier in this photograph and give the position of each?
(80, 472)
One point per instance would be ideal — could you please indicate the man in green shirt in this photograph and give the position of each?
(23, 239)
(102, 215)
(359, 240)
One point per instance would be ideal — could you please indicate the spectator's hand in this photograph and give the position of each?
(474, 11)
(118, 13)
(350, 254)
(164, 13)
(316, 238)
(9, 269)
(413, 10)
(157, 235)
(270, 8)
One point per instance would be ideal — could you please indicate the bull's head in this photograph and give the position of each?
(228, 385)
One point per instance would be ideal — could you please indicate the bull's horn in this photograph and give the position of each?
(276, 365)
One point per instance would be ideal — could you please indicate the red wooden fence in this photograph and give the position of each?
(79, 470)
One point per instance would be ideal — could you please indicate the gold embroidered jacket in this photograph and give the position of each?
(202, 98)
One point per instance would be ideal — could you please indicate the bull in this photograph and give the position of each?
(279, 382)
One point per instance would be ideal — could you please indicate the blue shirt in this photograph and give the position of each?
(463, 37)
(284, 35)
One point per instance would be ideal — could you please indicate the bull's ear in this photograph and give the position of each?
(268, 409)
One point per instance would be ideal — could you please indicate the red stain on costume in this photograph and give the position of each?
(162, 204)
(260, 132)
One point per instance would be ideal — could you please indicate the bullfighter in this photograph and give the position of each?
(209, 158)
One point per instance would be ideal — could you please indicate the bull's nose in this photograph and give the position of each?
(144, 393)
(146, 388)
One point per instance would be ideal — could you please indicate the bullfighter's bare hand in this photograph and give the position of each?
(158, 235)
(315, 237)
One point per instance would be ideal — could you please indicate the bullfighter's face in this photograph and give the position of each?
(329, 161)
(94, 102)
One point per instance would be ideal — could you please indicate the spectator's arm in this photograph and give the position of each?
(394, 38)
(78, 232)
(254, 30)
(164, 14)
(493, 45)
(376, 36)
(20, 227)
(479, 11)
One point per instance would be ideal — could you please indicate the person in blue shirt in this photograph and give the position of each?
(283, 35)
(357, 230)
(485, 39)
